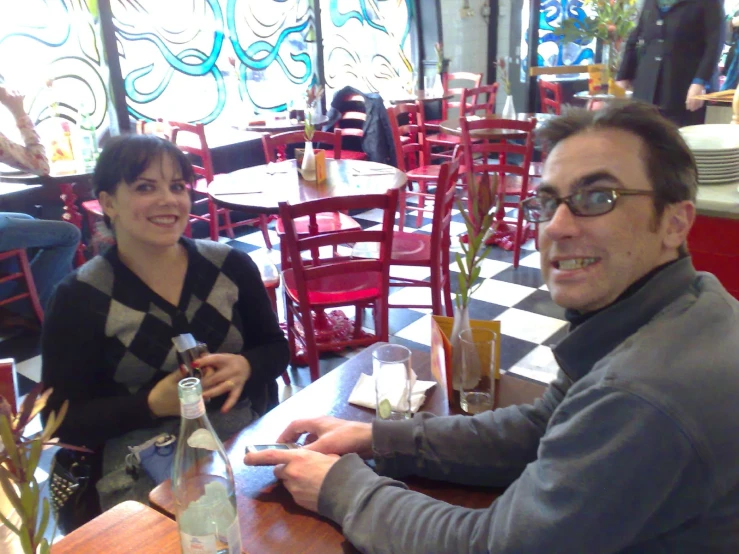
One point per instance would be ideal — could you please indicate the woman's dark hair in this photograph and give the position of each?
(669, 161)
(126, 157)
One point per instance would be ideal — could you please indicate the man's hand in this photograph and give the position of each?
(230, 373)
(330, 435)
(301, 471)
(13, 100)
(691, 103)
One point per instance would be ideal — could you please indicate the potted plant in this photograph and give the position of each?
(28, 517)
(481, 223)
(509, 110)
(308, 163)
(611, 24)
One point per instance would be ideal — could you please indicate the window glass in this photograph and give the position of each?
(367, 45)
(205, 60)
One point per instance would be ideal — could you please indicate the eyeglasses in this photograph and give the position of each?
(584, 203)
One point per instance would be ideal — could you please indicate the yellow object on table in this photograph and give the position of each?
(320, 165)
(595, 79)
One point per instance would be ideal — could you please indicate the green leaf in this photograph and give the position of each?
(41, 529)
(44, 547)
(26, 541)
(463, 286)
(28, 499)
(460, 264)
(11, 450)
(9, 490)
(475, 274)
(34, 456)
(9, 525)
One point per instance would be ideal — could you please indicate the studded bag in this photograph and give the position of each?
(73, 501)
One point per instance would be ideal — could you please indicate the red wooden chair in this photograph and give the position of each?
(24, 274)
(551, 96)
(332, 222)
(352, 126)
(319, 283)
(412, 154)
(439, 139)
(190, 138)
(432, 251)
(472, 103)
(513, 180)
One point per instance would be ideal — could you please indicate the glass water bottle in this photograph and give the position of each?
(202, 481)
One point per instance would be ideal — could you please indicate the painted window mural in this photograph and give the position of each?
(553, 50)
(367, 45)
(201, 60)
(51, 50)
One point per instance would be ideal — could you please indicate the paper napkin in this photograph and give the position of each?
(364, 393)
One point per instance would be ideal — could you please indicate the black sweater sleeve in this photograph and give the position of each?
(265, 346)
(73, 350)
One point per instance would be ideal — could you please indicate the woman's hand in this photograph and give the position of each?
(230, 372)
(13, 100)
(164, 399)
(692, 103)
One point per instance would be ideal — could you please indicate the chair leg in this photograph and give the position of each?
(448, 305)
(436, 291)
(358, 320)
(401, 208)
(286, 378)
(213, 220)
(263, 221)
(517, 240)
(31, 286)
(290, 322)
(311, 347)
(422, 188)
(227, 224)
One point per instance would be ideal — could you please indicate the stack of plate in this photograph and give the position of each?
(716, 151)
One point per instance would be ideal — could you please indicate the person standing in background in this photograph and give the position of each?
(731, 67)
(672, 56)
(56, 241)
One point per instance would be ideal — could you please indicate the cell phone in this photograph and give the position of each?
(276, 446)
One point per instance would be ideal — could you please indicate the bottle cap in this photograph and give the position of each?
(190, 390)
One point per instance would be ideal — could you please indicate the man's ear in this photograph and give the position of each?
(679, 220)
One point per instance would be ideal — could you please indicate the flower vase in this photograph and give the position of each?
(308, 167)
(509, 110)
(438, 88)
(461, 323)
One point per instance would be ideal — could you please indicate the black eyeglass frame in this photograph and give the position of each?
(615, 194)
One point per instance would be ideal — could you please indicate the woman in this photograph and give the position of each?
(107, 339)
(731, 67)
(672, 56)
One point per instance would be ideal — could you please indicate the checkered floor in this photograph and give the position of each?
(530, 321)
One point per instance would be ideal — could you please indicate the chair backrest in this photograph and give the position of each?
(406, 120)
(274, 145)
(472, 102)
(23, 273)
(318, 268)
(477, 154)
(553, 103)
(444, 196)
(352, 121)
(190, 138)
(472, 80)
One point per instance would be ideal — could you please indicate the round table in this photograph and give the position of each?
(421, 96)
(259, 189)
(271, 125)
(452, 126)
(590, 98)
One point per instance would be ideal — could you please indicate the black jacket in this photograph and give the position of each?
(667, 51)
(377, 141)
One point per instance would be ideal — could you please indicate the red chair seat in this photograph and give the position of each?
(353, 155)
(411, 248)
(328, 222)
(337, 289)
(424, 173)
(93, 207)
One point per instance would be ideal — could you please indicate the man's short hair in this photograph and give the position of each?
(669, 161)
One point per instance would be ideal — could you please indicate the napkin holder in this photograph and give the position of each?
(441, 349)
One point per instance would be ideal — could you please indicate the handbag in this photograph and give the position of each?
(73, 500)
(155, 457)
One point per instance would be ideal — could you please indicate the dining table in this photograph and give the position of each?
(272, 124)
(125, 528)
(259, 189)
(269, 519)
(420, 95)
(452, 126)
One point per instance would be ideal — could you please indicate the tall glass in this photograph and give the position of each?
(391, 369)
(478, 363)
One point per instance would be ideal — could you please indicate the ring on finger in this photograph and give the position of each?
(230, 383)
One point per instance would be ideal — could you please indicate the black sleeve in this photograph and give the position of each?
(627, 70)
(72, 348)
(265, 345)
(713, 25)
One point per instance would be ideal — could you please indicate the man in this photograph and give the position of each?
(635, 446)
(672, 56)
(57, 240)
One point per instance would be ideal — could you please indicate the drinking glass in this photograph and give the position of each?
(391, 369)
(478, 381)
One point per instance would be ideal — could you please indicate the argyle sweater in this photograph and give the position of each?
(107, 337)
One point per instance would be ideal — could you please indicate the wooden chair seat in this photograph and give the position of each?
(336, 290)
(411, 249)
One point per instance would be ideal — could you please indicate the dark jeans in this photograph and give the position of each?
(56, 242)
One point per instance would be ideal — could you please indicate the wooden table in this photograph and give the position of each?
(260, 188)
(128, 528)
(269, 518)
(421, 96)
(453, 127)
(272, 125)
